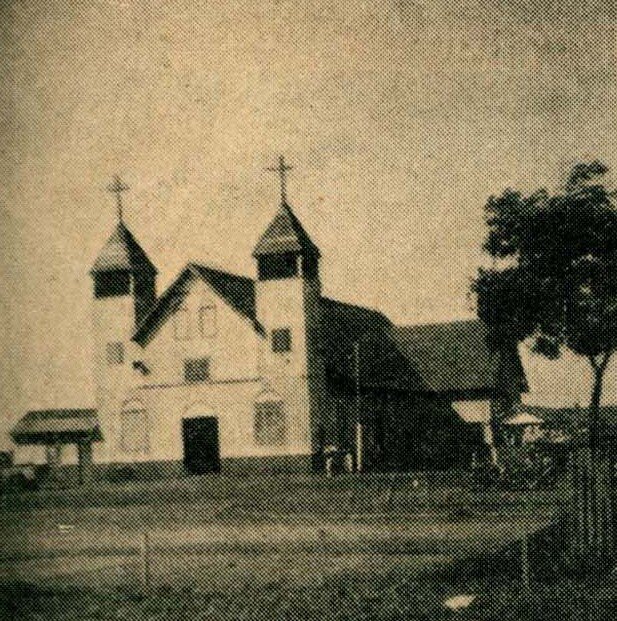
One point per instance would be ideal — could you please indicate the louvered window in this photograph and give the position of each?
(281, 340)
(112, 284)
(197, 370)
(277, 266)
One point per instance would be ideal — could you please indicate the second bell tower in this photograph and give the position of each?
(288, 309)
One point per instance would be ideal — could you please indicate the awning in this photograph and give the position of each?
(51, 426)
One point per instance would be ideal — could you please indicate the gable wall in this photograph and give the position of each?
(167, 398)
(232, 350)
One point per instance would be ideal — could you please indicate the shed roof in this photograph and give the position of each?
(523, 419)
(63, 425)
(122, 252)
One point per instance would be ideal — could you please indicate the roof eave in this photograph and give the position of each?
(142, 268)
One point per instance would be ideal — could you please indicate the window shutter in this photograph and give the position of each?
(115, 354)
(207, 321)
(181, 324)
(135, 431)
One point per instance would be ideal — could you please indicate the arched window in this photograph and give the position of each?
(207, 320)
(134, 428)
(181, 322)
(269, 420)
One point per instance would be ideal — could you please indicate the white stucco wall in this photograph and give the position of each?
(242, 369)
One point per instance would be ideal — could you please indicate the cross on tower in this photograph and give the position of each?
(282, 169)
(117, 187)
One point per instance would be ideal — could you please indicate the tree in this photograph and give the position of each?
(554, 274)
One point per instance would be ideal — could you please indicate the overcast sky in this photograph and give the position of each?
(399, 117)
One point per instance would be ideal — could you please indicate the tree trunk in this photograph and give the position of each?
(593, 416)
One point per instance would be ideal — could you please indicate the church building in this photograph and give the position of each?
(225, 373)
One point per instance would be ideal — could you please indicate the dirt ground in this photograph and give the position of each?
(219, 550)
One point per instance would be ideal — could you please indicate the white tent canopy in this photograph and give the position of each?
(523, 419)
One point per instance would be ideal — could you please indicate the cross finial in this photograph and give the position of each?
(282, 169)
(117, 187)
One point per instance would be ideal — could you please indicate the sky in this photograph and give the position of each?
(400, 119)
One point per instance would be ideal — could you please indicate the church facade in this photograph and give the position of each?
(225, 373)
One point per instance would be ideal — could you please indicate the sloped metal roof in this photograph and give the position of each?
(438, 358)
(381, 362)
(285, 234)
(122, 252)
(454, 357)
(63, 425)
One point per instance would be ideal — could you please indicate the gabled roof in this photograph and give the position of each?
(45, 426)
(122, 252)
(381, 362)
(285, 234)
(453, 356)
(237, 291)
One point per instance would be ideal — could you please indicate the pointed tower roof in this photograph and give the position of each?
(285, 234)
(122, 252)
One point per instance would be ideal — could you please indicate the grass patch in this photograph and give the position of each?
(286, 494)
(385, 596)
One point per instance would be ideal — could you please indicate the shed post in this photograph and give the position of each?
(84, 460)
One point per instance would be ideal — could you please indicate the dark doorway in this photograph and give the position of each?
(201, 445)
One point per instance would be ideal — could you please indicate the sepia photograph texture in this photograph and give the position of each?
(308, 310)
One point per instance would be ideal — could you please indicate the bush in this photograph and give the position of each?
(18, 482)
(122, 474)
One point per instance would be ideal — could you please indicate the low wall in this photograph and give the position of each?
(68, 475)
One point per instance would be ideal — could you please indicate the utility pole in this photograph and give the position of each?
(359, 428)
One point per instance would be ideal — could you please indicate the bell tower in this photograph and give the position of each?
(288, 301)
(124, 290)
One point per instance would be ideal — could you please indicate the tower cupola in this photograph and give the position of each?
(288, 307)
(122, 267)
(285, 250)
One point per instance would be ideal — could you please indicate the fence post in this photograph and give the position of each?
(144, 558)
(525, 575)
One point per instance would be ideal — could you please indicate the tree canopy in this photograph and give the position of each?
(554, 272)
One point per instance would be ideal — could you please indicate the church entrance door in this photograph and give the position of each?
(200, 437)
